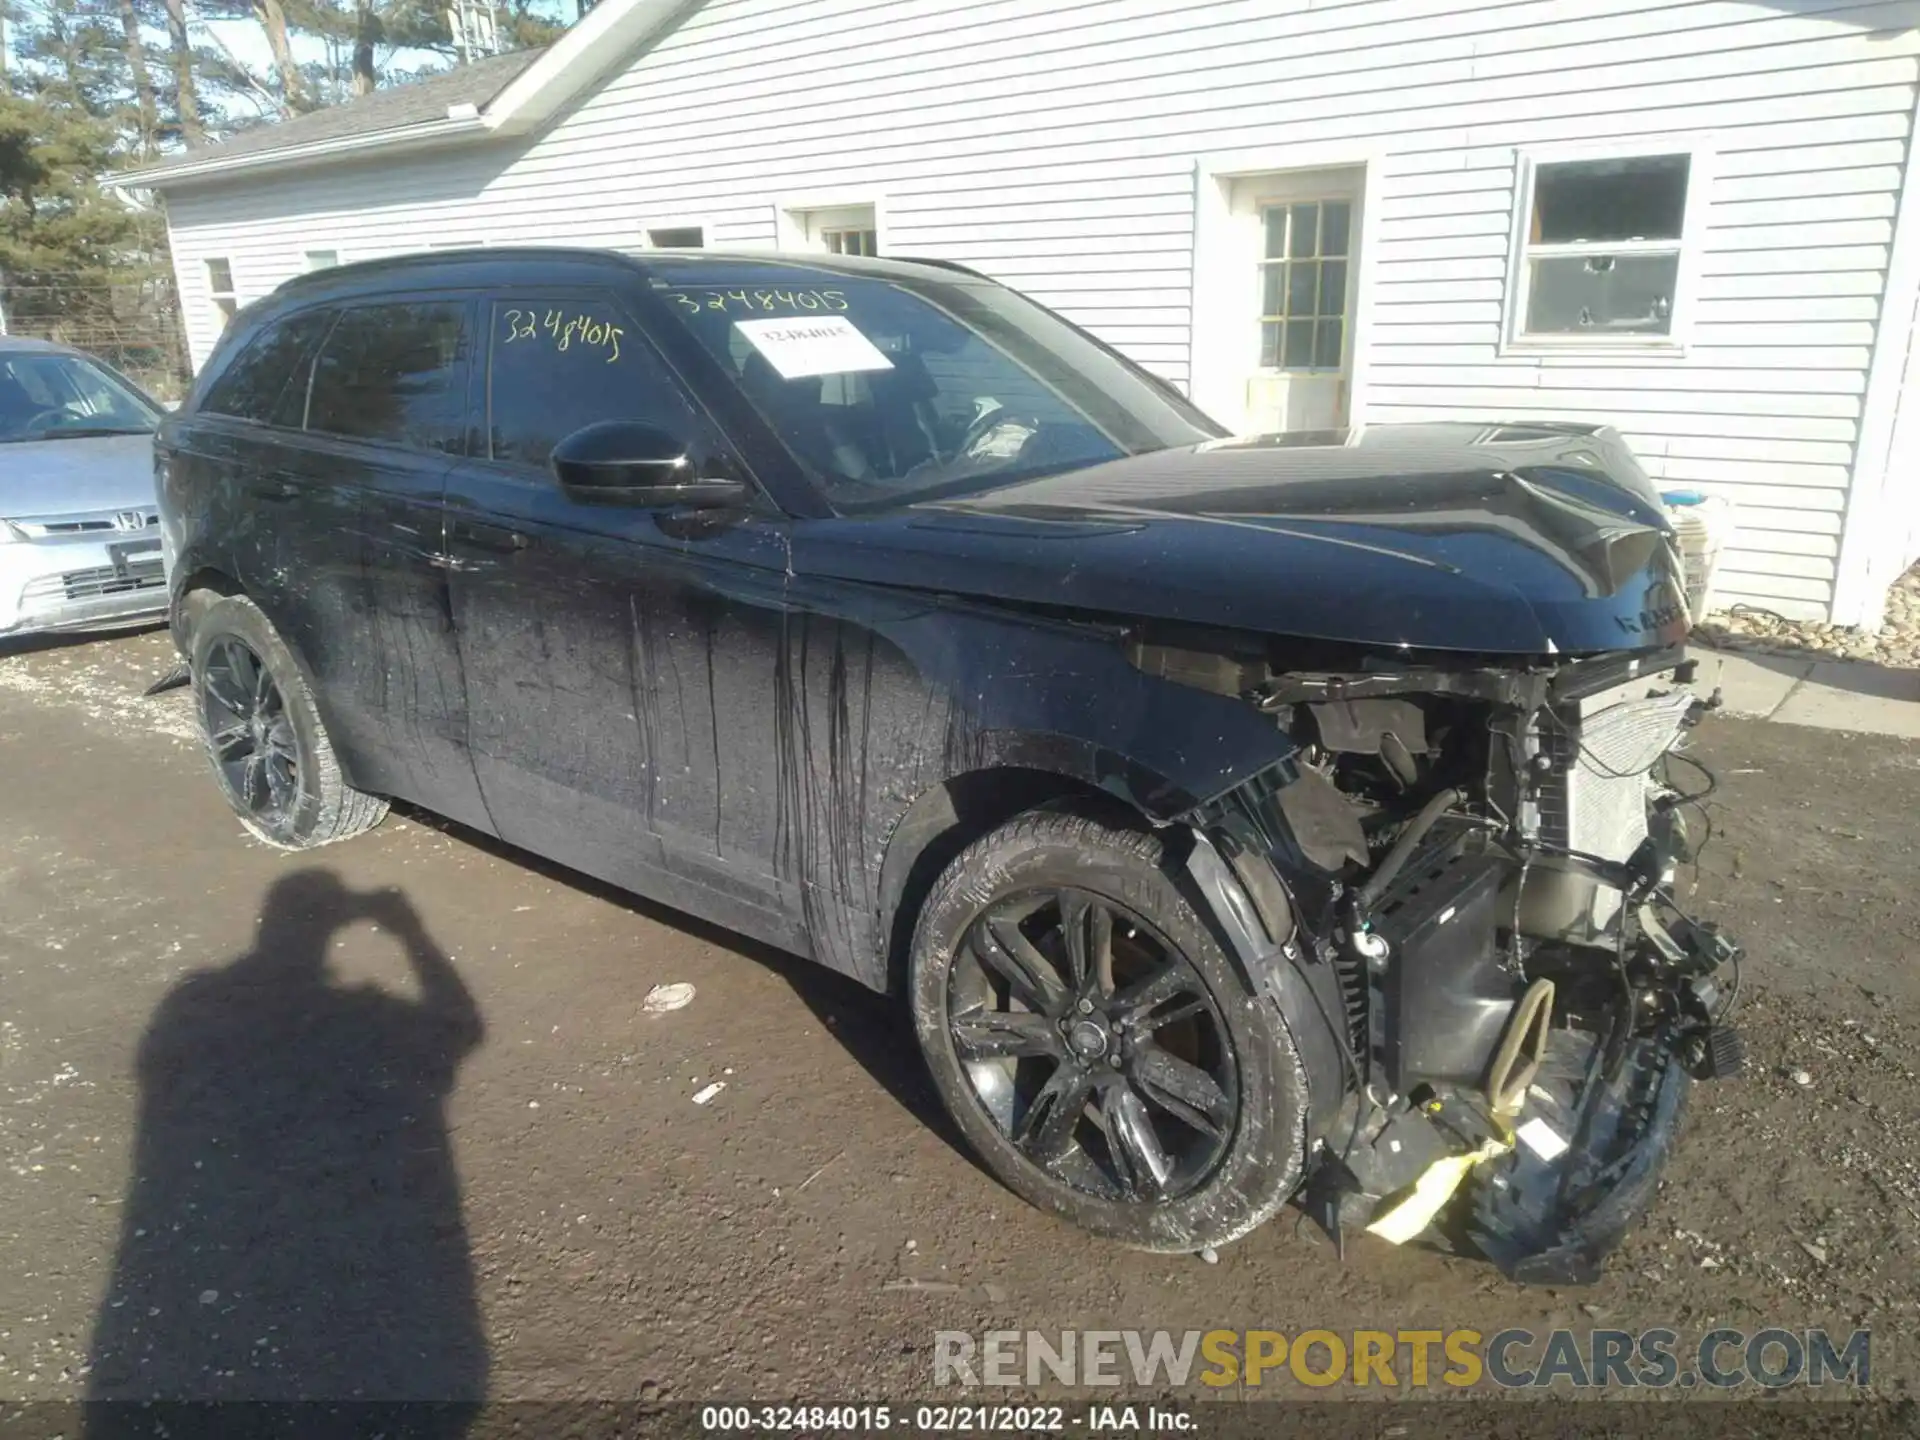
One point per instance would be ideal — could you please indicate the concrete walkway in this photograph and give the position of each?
(1851, 695)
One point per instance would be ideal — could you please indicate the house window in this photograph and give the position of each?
(678, 237)
(836, 229)
(851, 242)
(1600, 251)
(322, 259)
(220, 287)
(1303, 284)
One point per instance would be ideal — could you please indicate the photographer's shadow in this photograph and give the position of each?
(293, 1226)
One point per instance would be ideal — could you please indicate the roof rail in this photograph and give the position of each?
(943, 264)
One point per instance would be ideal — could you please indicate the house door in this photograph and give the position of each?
(1300, 242)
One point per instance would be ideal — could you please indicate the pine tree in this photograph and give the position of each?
(190, 126)
(361, 37)
(78, 104)
(64, 243)
(88, 87)
(134, 50)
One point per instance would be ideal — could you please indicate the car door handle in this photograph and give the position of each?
(496, 538)
(275, 489)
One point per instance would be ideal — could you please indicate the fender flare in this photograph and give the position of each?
(1007, 772)
(1304, 994)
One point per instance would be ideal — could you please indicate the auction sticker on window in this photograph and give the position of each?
(813, 345)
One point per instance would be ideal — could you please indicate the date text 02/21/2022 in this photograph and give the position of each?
(942, 1419)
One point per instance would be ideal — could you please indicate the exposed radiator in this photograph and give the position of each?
(1603, 750)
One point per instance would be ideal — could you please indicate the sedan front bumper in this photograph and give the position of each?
(81, 582)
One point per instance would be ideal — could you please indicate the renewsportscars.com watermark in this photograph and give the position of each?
(1772, 1358)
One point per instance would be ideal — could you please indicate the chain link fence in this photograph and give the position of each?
(133, 325)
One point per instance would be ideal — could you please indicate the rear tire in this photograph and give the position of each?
(263, 734)
(1095, 1045)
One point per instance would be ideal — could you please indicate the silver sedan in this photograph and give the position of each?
(79, 527)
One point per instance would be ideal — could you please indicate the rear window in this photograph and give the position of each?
(267, 382)
(395, 373)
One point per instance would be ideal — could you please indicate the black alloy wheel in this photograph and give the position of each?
(250, 732)
(262, 730)
(1094, 1045)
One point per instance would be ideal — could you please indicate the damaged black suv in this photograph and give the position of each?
(1240, 819)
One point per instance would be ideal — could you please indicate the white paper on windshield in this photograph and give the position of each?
(813, 345)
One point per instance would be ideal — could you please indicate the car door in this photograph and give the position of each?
(277, 538)
(622, 663)
(385, 421)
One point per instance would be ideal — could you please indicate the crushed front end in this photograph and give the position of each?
(1466, 875)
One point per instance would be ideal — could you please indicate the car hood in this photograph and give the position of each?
(1502, 538)
(70, 477)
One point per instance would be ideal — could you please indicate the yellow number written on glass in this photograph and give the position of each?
(694, 301)
(563, 330)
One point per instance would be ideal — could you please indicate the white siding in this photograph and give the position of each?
(1054, 146)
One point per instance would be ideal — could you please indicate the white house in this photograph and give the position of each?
(1687, 219)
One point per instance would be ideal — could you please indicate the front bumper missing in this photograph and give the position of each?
(1546, 1196)
(1548, 1216)
(1552, 1165)
(1544, 1166)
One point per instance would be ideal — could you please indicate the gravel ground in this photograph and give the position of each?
(1896, 643)
(261, 1135)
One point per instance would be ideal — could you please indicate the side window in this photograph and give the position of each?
(394, 373)
(560, 365)
(267, 382)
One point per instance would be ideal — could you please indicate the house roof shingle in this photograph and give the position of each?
(419, 103)
(509, 95)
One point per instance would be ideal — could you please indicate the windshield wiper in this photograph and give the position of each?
(974, 484)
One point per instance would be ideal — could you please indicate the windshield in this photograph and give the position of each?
(45, 395)
(888, 391)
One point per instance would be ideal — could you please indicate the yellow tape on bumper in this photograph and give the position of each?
(1431, 1191)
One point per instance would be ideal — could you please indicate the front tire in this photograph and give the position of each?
(263, 734)
(1095, 1045)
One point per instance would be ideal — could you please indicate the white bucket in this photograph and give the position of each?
(1704, 525)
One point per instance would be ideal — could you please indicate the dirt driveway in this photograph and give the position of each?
(210, 1052)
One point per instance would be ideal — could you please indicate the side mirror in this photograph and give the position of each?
(626, 462)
